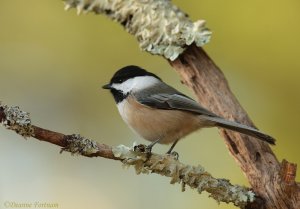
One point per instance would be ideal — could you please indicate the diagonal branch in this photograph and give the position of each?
(159, 26)
(256, 159)
(166, 165)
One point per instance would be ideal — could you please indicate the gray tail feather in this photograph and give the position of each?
(234, 126)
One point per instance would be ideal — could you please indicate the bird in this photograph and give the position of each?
(161, 114)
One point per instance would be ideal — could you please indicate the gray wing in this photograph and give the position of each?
(165, 97)
(169, 98)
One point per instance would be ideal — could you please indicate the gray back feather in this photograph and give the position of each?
(166, 97)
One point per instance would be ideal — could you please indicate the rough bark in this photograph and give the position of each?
(274, 182)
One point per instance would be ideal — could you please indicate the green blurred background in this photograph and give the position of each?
(53, 63)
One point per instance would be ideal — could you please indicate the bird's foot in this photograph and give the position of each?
(142, 148)
(148, 148)
(139, 148)
(174, 154)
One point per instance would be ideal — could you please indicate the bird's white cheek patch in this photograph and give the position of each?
(144, 82)
(137, 84)
(125, 87)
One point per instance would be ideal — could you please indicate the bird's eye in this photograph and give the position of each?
(118, 80)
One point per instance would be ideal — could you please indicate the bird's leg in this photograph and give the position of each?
(150, 146)
(172, 147)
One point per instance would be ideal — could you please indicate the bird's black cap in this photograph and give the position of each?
(128, 72)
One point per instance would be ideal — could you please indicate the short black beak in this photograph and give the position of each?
(107, 86)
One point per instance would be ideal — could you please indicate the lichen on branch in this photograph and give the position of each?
(193, 176)
(79, 145)
(17, 120)
(159, 26)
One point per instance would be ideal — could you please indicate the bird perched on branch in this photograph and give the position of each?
(161, 114)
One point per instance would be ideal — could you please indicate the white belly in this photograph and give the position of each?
(153, 124)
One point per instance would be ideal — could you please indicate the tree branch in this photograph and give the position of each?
(166, 165)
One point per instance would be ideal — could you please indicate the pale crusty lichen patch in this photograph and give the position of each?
(17, 120)
(159, 26)
(194, 176)
(80, 145)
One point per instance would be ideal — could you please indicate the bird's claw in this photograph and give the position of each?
(174, 154)
(147, 149)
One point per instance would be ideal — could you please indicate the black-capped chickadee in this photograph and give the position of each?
(160, 113)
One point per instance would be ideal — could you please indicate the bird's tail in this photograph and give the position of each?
(234, 126)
